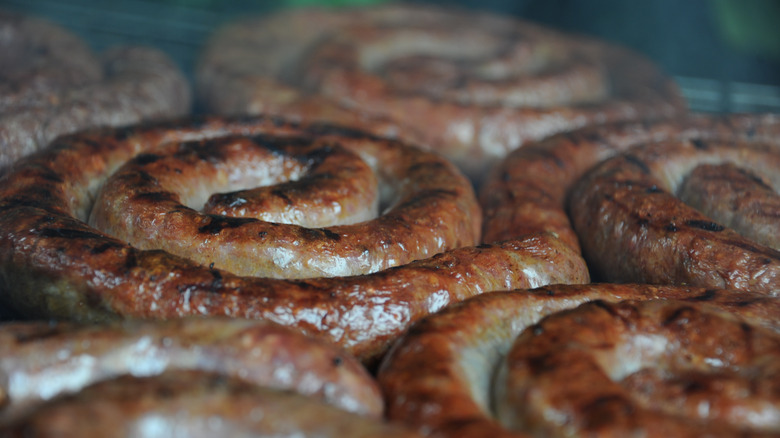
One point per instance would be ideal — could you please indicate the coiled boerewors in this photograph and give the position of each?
(619, 192)
(469, 84)
(51, 83)
(688, 362)
(190, 376)
(53, 264)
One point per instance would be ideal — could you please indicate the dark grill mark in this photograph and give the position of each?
(282, 195)
(67, 233)
(49, 175)
(653, 189)
(704, 225)
(217, 282)
(123, 133)
(755, 178)
(281, 146)
(317, 129)
(699, 144)
(613, 403)
(156, 197)
(219, 223)
(21, 202)
(672, 228)
(131, 261)
(708, 295)
(638, 163)
(103, 247)
(426, 166)
(319, 154)
(144, 159)
(319, 233)
(678, 316)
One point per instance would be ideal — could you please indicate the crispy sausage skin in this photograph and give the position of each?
(51, 84)
(193, 404)
(190, 376)
(52, 264)
(440, 377)
(468, 84)
(614, 190)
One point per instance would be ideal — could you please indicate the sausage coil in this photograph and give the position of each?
(52, 84)
(194, 376)
(442, 377)
(619, 191)
(470, 85)
(53, 264)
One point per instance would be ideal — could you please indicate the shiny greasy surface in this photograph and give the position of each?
(439, 377)
(633, 227)
(193, 404)
(42, 360)
(51, 83)
(430, 207)
(528, 192)
(468, 84)
(652, 368)
(53, 264)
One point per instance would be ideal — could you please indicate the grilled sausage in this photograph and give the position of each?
(193, 404)
(439, 377)
(53, 264)
(626, 218)
(52, 84)
(41, 360)
(470, 85)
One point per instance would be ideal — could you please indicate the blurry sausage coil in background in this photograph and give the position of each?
(51, 83)
(468, 84)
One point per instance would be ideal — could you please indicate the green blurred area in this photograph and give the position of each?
(274, 4)
(750, 26)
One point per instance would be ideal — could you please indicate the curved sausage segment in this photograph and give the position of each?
(439, 377)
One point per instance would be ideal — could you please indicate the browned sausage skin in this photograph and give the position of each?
(191, 376)
(469, 84)
(438, 377)
(634, 228)
(53, 264)
(193, 404)
(53, 84)
(41, 360)
(528, 192)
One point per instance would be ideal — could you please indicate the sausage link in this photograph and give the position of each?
(439, 376)
(541, 187)
(42, 360)
(468, 84)
(52, 84)
(193, 404)
(52, 264)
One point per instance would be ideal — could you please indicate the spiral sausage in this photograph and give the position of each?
(438, 377)
(468, 84)
(52, 84)
(193, 404)
(41, 360)
(188, 374)
(620, 218)
(53, 264)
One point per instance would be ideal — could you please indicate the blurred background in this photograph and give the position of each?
(725, 54)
